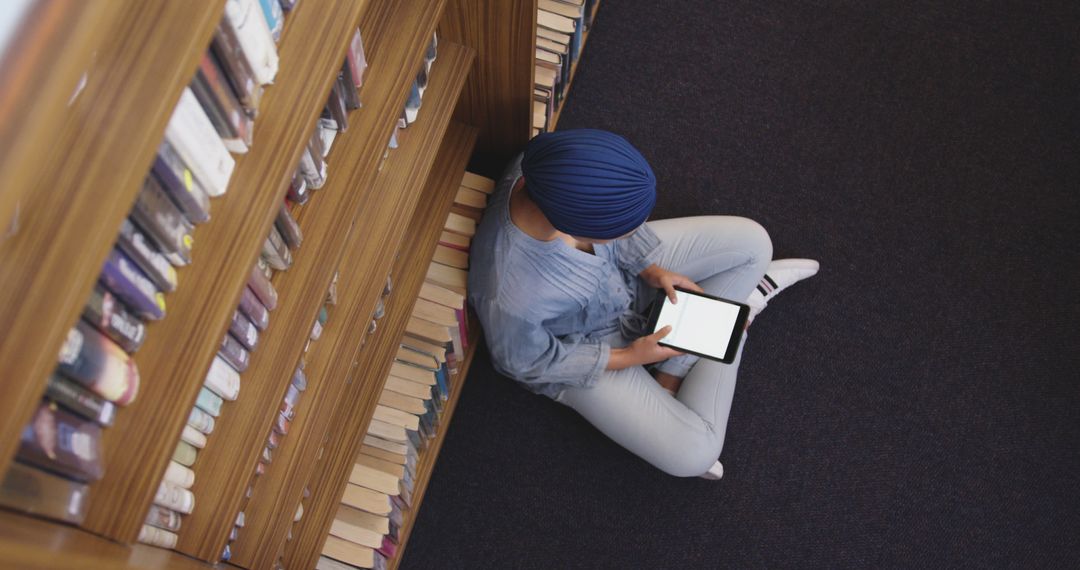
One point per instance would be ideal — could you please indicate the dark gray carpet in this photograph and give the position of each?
(916, 404)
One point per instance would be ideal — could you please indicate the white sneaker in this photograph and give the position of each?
(715, 472)
(781, 274)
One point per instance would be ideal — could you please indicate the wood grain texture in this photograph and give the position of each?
(373, 363)
(72, 207)
(226, 464)
(39, 70)
(178, 350)
(28, 543)
(370, 249)
(498, 96)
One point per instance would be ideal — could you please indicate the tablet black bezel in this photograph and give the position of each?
(736, 334)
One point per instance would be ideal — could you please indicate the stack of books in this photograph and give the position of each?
(560, 29)
(366, 528)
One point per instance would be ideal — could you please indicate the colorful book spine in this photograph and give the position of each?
(230, 56)
(99, 364)
(80, 400)
(62, 442)
(234, 353)
(193, 136)
(263, 289)
(180, 184)
(185, 454)
(111, 317)
(209, 402)
(132, 286)
(163, 222)
(249, 25)
(226, 115)
(163, 518)
(179, 475)
(175, 498)
(222, 380)
(275, 252)
(254, 309)
(289, 228)
(137, 246)
(201, 421)
(244, 330)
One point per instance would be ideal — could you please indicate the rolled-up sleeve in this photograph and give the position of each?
(529, 353)
(638, 250)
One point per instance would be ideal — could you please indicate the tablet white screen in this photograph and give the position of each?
(698, 323)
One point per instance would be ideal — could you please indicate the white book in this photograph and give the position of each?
(223, 380)
(193, 436)
(192, 134)
(247, 19)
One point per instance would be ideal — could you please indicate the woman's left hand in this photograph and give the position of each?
(661, 278)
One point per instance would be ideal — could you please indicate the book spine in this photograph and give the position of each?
(163, 518)
(356, 59)
(194, 437)
(36, 492)
(222, 123)
(193, 136)
(137, 246)
(230, 56)
(185, 454)
(244, 330)
(274, 17)
(110, 317)
(163, 222)
(179, 182)
(201, 421)
(275, 252)
(175, 498)
(251, 31)
(98, 364)
(59, 441)
(209, 402)
(157, 537)
(298, 189)
(233, 109)
(289, 228)
(179, 475)
(125, 280)
(335, 104)
(80, 400)
(223, 380)
(234, 353)
(263, 289)
(254, 309)
(348, 87)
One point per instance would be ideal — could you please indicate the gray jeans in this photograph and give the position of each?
(682, 436)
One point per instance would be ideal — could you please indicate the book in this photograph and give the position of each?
(374, 479)
(222, 379)
(226, 50)
(175, 498)
(99, 364)
(408, 388)
(179, 183)
(451, 278)
(348, 552)
(397, 417)
(335, 107)
(133, 242)
(456, 241)
(358, 527)
(78, 399)
(366, 499)
(254, 36)
(471, 197)
(348, 87)
(234, 353)
(298, 190)
(201, 421)
(356, 59)
(327, 563)
(41, 493)
(127, 282)
(155, 536)
(452, 257)
(209, 402)
(222, 108)
(244, 330)
(275, 18)
(289, 228)
(253, 309)
(57, 440)
(163, 518)
(275, 252)
(196, 438)
(179, 475)
(163, 222)
(191, 133)
(111, 317)
(263, 289)
(458, 224)
(380, 443)
(399, 401)
(477, 182)
(382, 465)
(185, 454)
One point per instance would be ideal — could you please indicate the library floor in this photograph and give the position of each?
(914, 405)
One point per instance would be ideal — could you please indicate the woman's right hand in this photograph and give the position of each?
(645, 350)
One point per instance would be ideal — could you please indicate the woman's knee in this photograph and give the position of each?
(692, 459)
(755, 239)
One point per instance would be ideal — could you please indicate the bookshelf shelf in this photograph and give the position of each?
(73, 166)
(573, 70)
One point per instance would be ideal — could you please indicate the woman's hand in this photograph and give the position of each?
(661, 278)
(645, 350)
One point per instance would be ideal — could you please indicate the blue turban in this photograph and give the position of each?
(589, 183)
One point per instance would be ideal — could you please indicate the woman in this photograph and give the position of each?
(563, 270)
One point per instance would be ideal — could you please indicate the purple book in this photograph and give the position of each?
(124, 278)
(244, 330)
(254, 309)
(61, 442)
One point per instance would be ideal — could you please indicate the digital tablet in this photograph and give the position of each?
(701, 324)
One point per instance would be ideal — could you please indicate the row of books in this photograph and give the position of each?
(95, 371)
(175, 498)
(560, 29)
(411, 110)
(366, 528)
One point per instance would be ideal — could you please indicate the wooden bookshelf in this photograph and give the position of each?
(73, 167)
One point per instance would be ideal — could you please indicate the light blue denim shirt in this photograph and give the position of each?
(550, 311)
